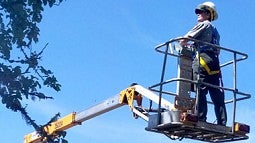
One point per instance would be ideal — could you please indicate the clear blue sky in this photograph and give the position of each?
(97, 48)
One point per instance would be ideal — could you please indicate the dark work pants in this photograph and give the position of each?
(216, 95)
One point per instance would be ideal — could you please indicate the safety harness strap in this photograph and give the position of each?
(206, 67)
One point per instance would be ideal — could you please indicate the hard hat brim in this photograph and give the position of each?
(197, 11)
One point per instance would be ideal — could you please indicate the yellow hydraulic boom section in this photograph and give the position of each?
(60, 125)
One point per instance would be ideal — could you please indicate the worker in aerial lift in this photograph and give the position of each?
(209, 69)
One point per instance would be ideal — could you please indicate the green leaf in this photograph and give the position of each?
(44, 71)
(17, 71)
(41, 96)
(52, 2)
(45, 2)
(64, 141)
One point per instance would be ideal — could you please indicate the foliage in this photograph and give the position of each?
(21, 75)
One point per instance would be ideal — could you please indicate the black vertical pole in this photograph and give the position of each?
(161, 82)
(235, 90)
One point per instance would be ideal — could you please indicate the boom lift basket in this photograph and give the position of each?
(183, 122)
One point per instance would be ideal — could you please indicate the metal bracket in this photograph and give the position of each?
(127, 96)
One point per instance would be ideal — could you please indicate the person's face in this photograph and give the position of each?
(202, 16)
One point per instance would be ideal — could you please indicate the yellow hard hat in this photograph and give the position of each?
(208, 6)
